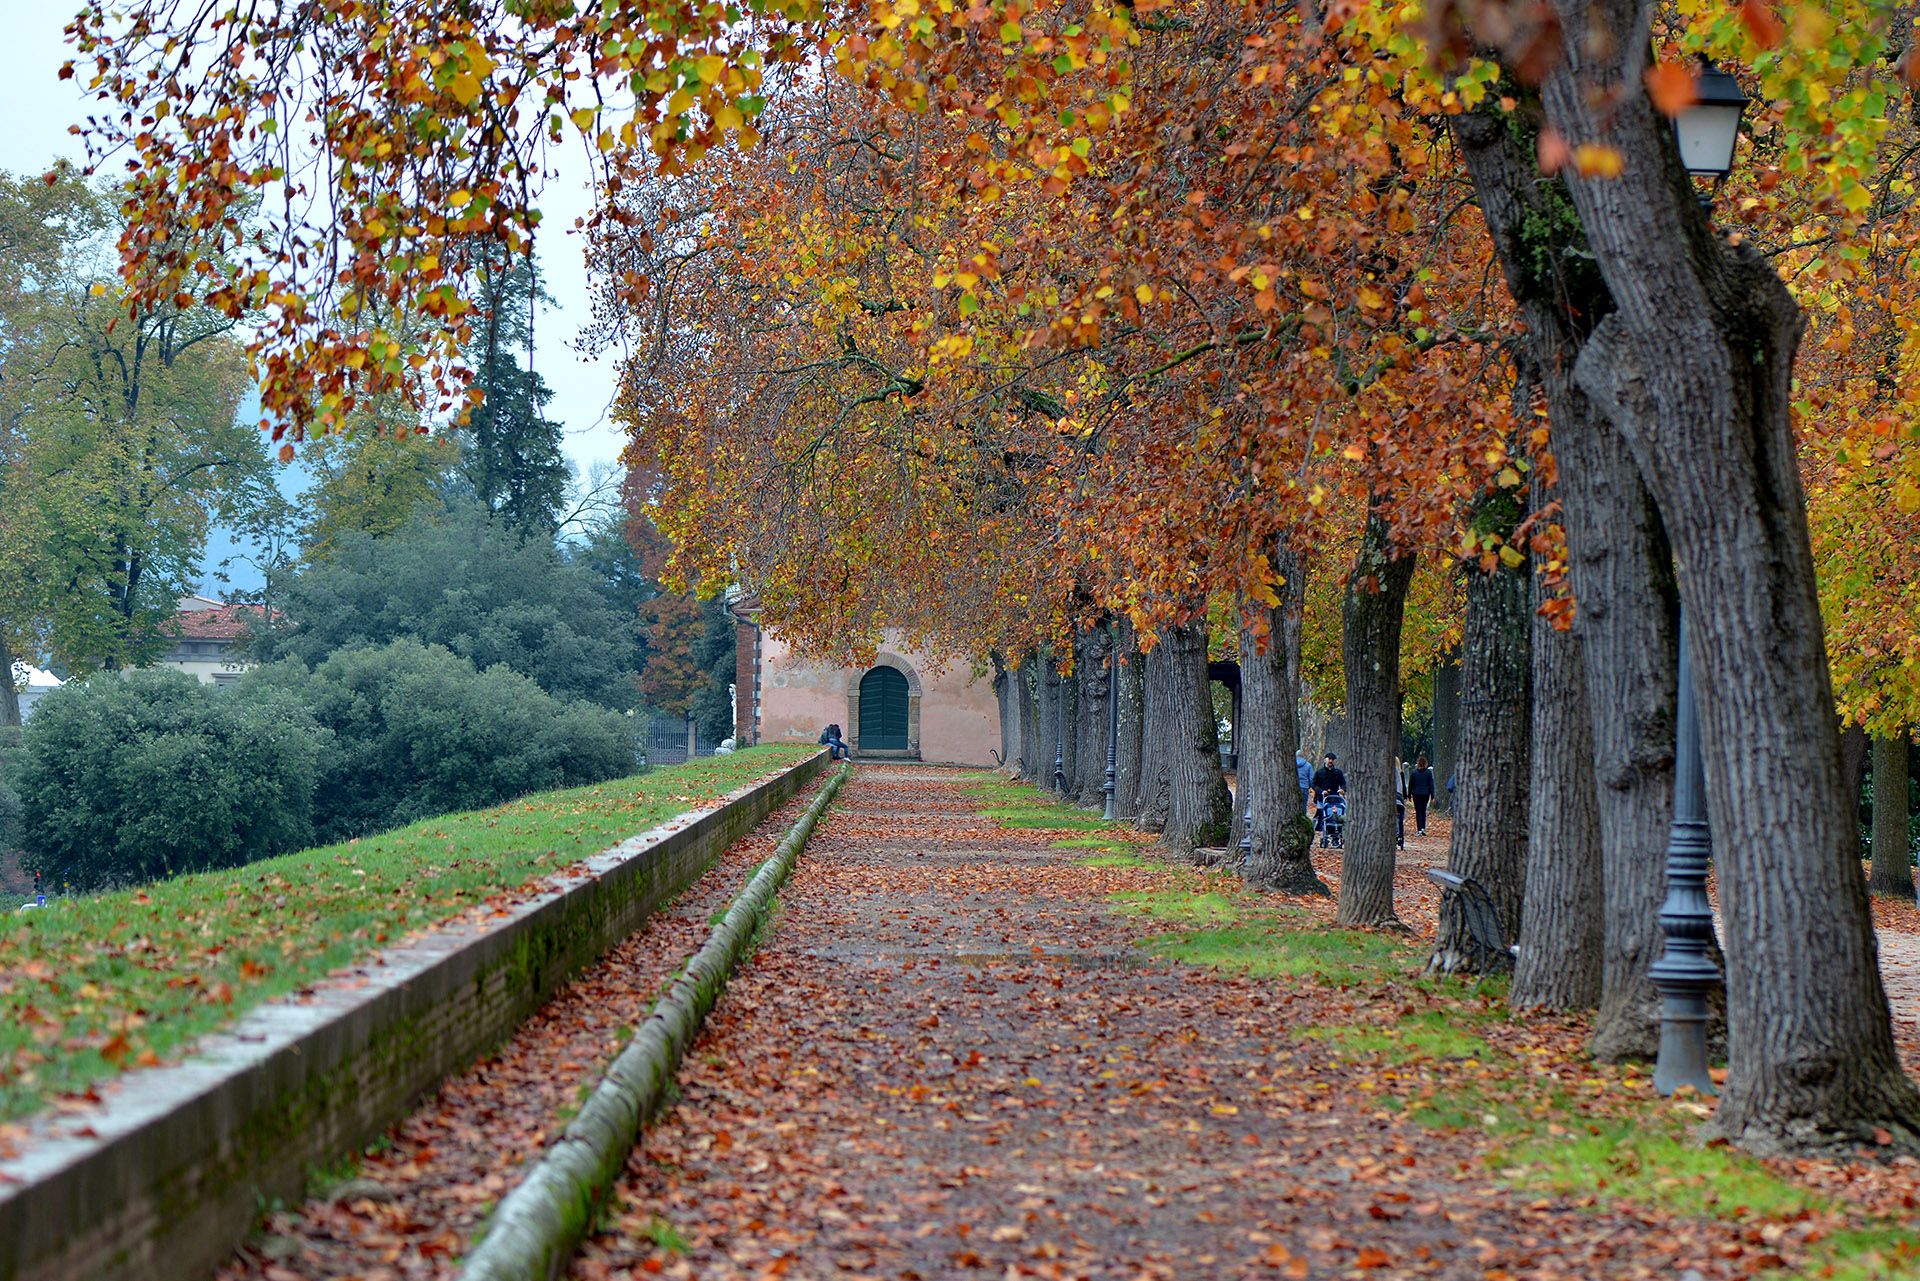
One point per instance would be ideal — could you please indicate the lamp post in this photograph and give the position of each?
(1684, 975)
(1109, 813)
(1060, 738)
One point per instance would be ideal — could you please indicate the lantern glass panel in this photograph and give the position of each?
(1706, 133)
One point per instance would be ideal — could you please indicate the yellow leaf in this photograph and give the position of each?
(465, 88)
(460, 199)
(1596, 161)
(1143, 294)
(711, 68)
(1510, 558)
(1508, 478)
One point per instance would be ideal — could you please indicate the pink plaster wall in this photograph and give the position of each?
(959, 717)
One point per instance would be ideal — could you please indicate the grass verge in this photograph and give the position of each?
(95, 984)
(1446, 1055)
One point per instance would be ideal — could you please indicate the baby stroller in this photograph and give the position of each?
(1333, 822)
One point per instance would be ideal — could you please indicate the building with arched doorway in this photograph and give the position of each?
(909, 705)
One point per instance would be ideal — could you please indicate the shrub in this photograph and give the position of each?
(472, 585)
(417, 731)
(132, 778)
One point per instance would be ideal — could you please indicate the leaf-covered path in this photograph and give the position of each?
(951, 1058)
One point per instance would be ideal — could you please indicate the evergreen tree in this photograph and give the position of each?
(513, 459)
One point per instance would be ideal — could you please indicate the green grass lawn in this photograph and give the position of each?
(94, 984)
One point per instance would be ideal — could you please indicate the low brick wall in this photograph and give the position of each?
(176, 1164)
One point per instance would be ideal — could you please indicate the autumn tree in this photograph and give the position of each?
(120, 441)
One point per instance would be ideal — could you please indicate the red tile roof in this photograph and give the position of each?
(228, 622)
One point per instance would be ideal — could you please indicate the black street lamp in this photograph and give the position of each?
(1684, 974)
(1707, 130)
(1060, 739)
(1113, 730)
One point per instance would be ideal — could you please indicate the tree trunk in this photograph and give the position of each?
(1704, 335)
(1126, 782)
(1157, 717)
(1490, 816)
(9, 695)
(1856, 749)
(1446, 730)
(1003, 700)
(1068, 727)
(1561, 935)
(1279, 857)
(1029, 715)
(1199, 806)
(1371, 616)
(1892, 846)
(1618, 563)
(1047, 711)
(1095, 655)
(1313, 726)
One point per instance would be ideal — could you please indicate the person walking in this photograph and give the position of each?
(1420, 788)
(1399, 803)
(1304, 768)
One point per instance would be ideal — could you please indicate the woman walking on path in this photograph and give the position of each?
(1420, 787)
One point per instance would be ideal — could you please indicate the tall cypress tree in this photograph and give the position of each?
(513, 456)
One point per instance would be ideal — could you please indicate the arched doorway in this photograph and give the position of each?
(883, 711)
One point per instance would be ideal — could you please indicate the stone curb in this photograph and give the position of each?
(535, 1228)
(168, 1175)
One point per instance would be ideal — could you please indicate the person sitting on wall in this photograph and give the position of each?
(836, 745)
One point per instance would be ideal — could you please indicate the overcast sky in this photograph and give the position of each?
(37, 107)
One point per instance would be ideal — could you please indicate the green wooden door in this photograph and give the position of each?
(883, 711)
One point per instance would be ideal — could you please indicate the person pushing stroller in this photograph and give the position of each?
(1330, 790)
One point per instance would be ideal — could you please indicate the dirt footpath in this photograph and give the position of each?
(950, 1059)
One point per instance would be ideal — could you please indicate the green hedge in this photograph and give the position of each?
(129, 779)
(417, 731)
(139, 777)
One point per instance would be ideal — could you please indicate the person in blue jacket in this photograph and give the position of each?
(1304, 768)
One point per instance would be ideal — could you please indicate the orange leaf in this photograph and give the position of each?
(1672, 88)
(1372, 1259)
(1761, 23)
(116, 1050)
(1553, 151)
